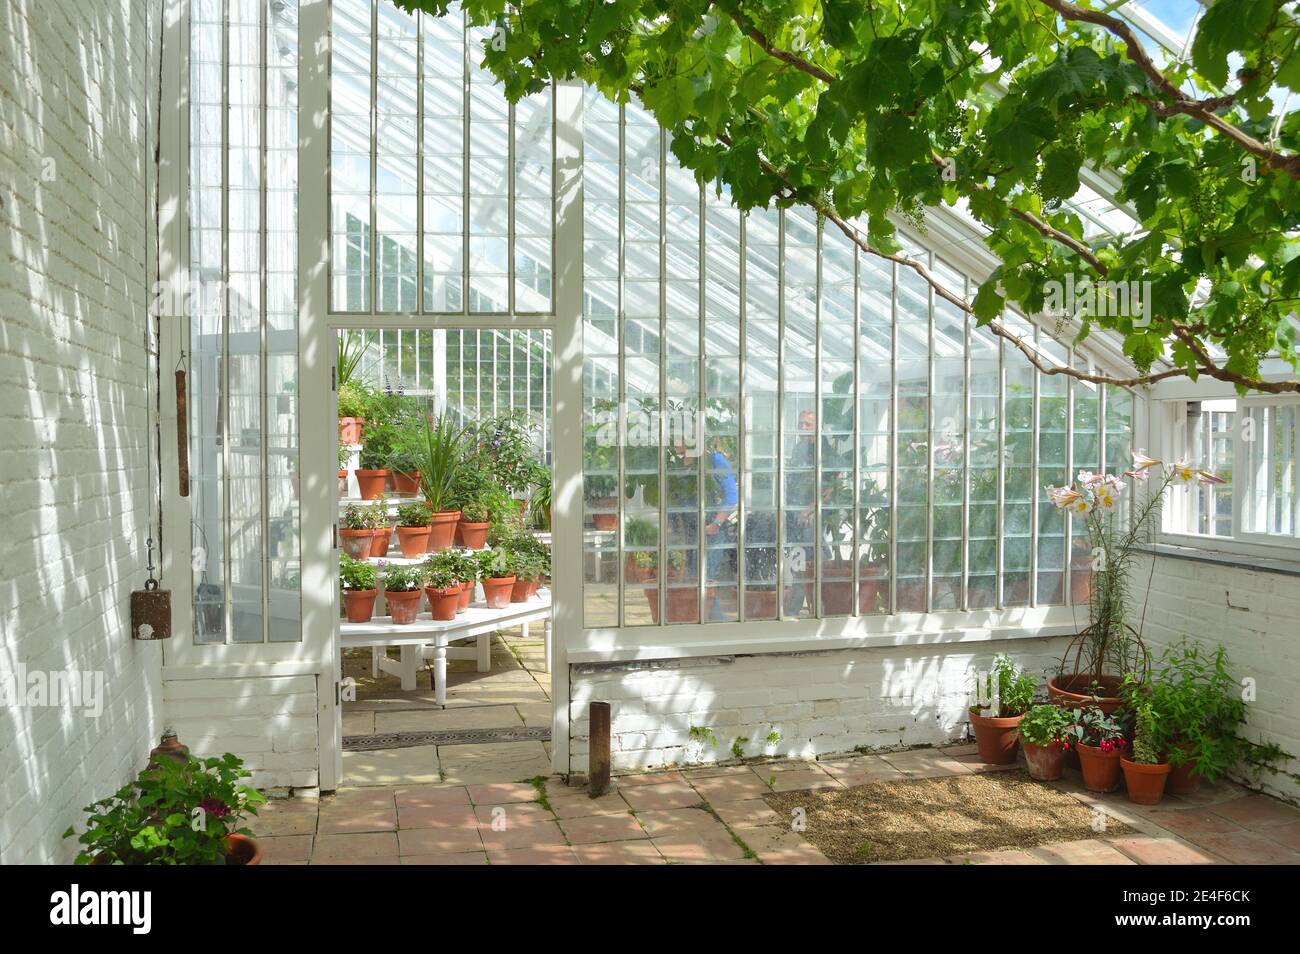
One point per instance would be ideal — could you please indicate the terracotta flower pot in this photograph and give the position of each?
(605, 521)
(1100, 769)
(350, 430)
(837, 597)
(1145, 783)
(414, 541)
(996, 737)
(404, 483)
(403, 605)
(443, 603)
(359, 605)
(523, 590)
(466, 593)
(472, 536)
(443, 529)
(356, 543)
(868, 590)
(383, 536)
(682, 603)
(1183, 779)
(343, 482)
(242, 850)
(760, 604)
(1045, 762)
(497, 591)
(634, 572)
(1072, 691)
(371, 483)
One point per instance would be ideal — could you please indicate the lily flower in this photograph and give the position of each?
(1141, 461)
(1089, 479)
(1184, 472)
(1105, 498)
(1063, 497)
(1081, 506)
(1205, 477)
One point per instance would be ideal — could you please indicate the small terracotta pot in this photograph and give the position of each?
(497, 591)
(356, 543)
(837, 597)
(371, 483)
(472, 536)
(1100, 769)
(414, 541)
(406, 483)
(1183, 779)
(443, 603)
(350, 430)
(403, 605)
(682, 603)
(466, 593)
(242, 850)
(343, 482)
(1072, 691)
(634, 572)
(443, 529)
(359, 605)
(523, 590)
(383, 536)
(605, 521)
(1145, 783)
(996, 737)
(1045, 762)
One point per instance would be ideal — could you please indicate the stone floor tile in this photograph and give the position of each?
(438, 841)
(731, 788)
(619, 853)
(1086, 852)
(285, 849)
(363, 845)
(545, 855)
(677, 821)
(525, 835)
(699, 848)
(1247, 848)
(1148, 850)
(1192, 823)
(437, 816)
(925, 763)
(648, 798)
(576, 806)
(1258, 812)
(592, 829)
(746, 813)
(427, 796)
(447, 858)
(512, 813)
(502, 793)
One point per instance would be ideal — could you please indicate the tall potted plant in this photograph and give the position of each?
(1200, 708)
(358, 580)
(1146, 772)
(1003, 697)
(1097, 658)
(180, 810)
(441, 452)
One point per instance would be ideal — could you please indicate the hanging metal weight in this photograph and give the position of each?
(151, 612)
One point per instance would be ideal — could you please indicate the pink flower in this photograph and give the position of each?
(1205, 477)
(1141, 461)
(1063, 497)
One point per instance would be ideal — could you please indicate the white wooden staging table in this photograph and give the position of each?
(476, 622)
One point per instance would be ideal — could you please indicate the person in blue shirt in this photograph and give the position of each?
(720, 531)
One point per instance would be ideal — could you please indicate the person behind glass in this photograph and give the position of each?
(720, 516)
(799, 520)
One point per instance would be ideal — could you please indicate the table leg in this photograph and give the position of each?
(375, 652)
(440, 673)
(410, 664)
(484, 652)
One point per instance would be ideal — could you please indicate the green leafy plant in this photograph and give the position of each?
(401, 578)
(172, 814)
(1091, 726)
(506, 447)
(376, 514)
(446, 568)
(702, 734)
(493, 563)
(738, 746)
(356, 517)
(539, 503)
(352, 399)
(441, 452)
(356, 574)
(1198, 706)
(351, 349)
(1044, 725)
(414, 515)
(870, 113)
(1008, 687)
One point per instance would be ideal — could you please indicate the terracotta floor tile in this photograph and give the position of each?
(283, 849)
(1194, 822)
(619, 853)
(1247, 848)
(731, 788)
(1258, 812)
(698, 848)
(355, 846)
(677, 821)
(649, 798)
(529, 835)
(438, 816)
(546, 855)
(747, 813)
(1086, 852)
(438, 841)
(512, 813)
(502, 793)
(578, 806)
(427, 796)
(1148, 850)
(453, 858)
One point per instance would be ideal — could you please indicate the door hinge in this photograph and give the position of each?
(334, 372)
(338, 693)
(335, 544)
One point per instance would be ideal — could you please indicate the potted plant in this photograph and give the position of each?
(352, 394)
(640, 543)
(1146, 773)
(380, 527)
(1003, 697)
(440, 452)
(1109, 647)
(465, 568)
(471, 495)
(413, 522)
(1098, 737)
(498, 580)
(356, 535)
(359, 588)
(539, 507)
(180, 810)
(1042, 737)
(372, 474)
(402, 586)
(1199, 708)
(529, 561)
(344, 454)
(404, 466)
(441, 587)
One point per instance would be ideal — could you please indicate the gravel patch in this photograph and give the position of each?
(936, 817)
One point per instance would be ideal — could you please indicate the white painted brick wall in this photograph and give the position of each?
(73, 175)
(1256, 615)
(268, 721)
(821, 703)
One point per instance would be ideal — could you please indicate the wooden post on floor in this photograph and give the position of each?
(598, 760)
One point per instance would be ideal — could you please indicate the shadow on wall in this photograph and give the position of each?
(72, 361)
